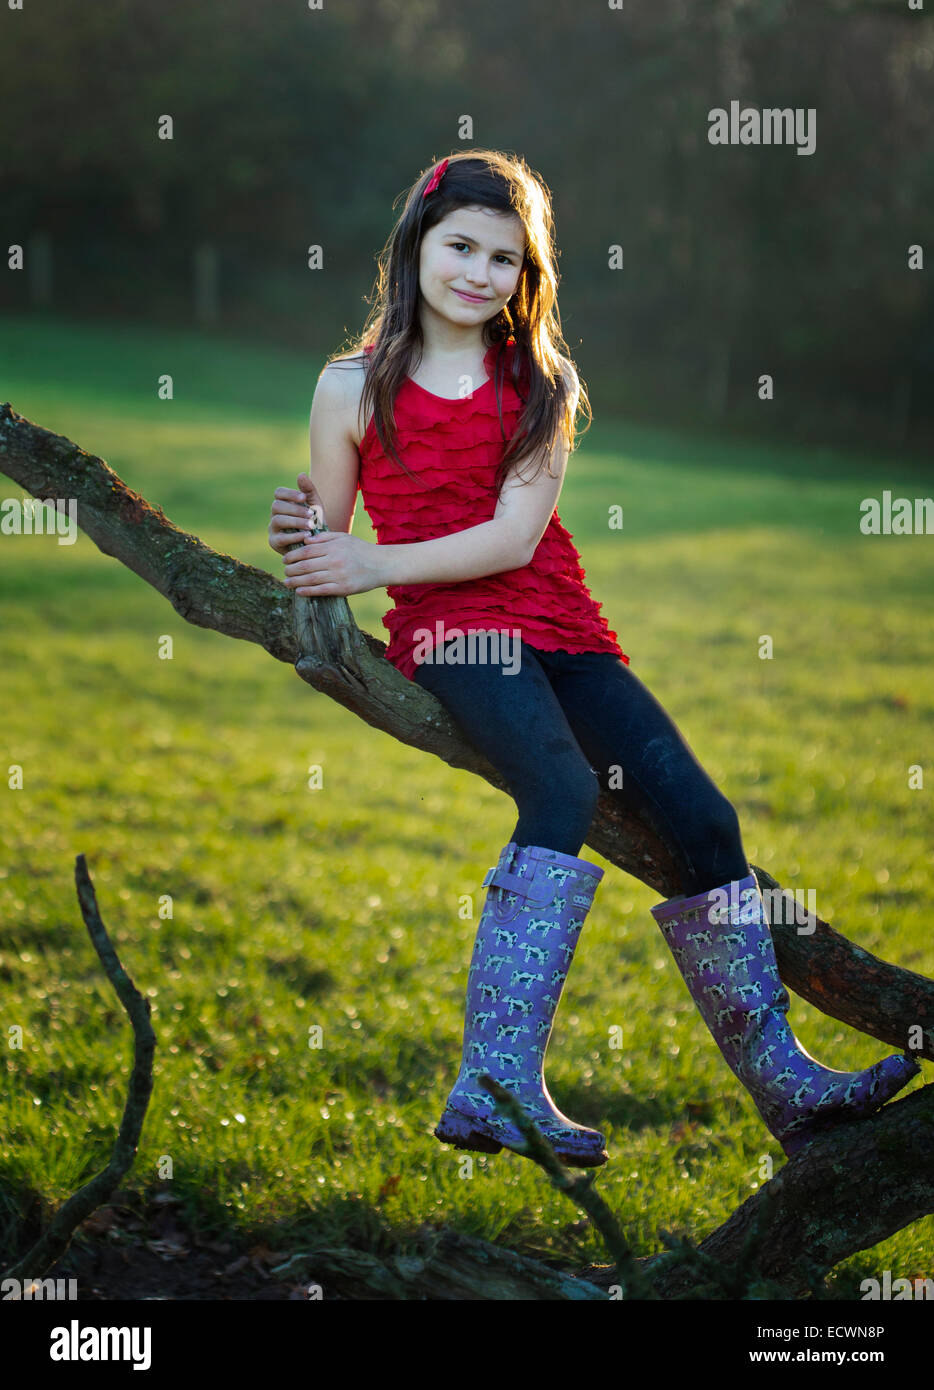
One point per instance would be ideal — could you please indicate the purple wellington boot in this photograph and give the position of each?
(723, 947)
(529, 928)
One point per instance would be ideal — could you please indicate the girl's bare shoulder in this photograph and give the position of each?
(343, 379)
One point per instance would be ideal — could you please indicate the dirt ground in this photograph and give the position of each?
(134, 1250)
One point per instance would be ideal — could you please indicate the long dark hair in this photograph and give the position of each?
(504, 183)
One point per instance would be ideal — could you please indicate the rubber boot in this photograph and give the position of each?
(528, 931)
(723, 947)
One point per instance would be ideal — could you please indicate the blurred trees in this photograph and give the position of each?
(296, 126)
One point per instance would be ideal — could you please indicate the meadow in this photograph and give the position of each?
(338, 907)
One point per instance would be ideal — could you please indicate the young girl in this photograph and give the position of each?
(461, 465)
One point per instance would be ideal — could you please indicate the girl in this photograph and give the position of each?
(492, 615)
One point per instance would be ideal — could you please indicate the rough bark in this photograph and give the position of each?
(844, 1192)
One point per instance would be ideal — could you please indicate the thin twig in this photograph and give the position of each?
(579, 1189)
(53, 1243)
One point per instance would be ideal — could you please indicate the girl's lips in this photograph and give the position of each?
(472, 298)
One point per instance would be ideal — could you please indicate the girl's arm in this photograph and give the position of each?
(336, 465)
(333, 563)
(506, 542)
(335, 461)
(488, 548)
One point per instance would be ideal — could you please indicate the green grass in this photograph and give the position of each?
(341, 906)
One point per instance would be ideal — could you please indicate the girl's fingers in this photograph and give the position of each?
(294, 519)
(299, 562)
(298, 575)
(282, 513)
(304, 572)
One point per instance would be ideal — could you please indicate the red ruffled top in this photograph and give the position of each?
(456, 446)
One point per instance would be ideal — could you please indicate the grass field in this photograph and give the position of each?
(339, 907)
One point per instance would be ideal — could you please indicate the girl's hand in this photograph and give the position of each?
(294, 512)
(333, 563)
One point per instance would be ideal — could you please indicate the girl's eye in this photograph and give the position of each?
(506, 259)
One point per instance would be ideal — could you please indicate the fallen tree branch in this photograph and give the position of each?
(320, 638)
(53, 1243)
(843, 1192)
(445, 1265)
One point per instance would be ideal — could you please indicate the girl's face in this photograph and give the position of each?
(470, 264)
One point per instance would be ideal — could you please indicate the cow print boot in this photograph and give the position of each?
(530, 925)
(723, 947)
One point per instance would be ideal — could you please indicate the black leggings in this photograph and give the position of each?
(564, 725)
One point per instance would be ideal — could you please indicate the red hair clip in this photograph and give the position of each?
(435, 178)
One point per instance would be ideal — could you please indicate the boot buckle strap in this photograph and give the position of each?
(513, 883)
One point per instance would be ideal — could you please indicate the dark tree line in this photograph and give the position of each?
(298, 126)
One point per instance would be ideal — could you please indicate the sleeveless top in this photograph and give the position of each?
(455, 445)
